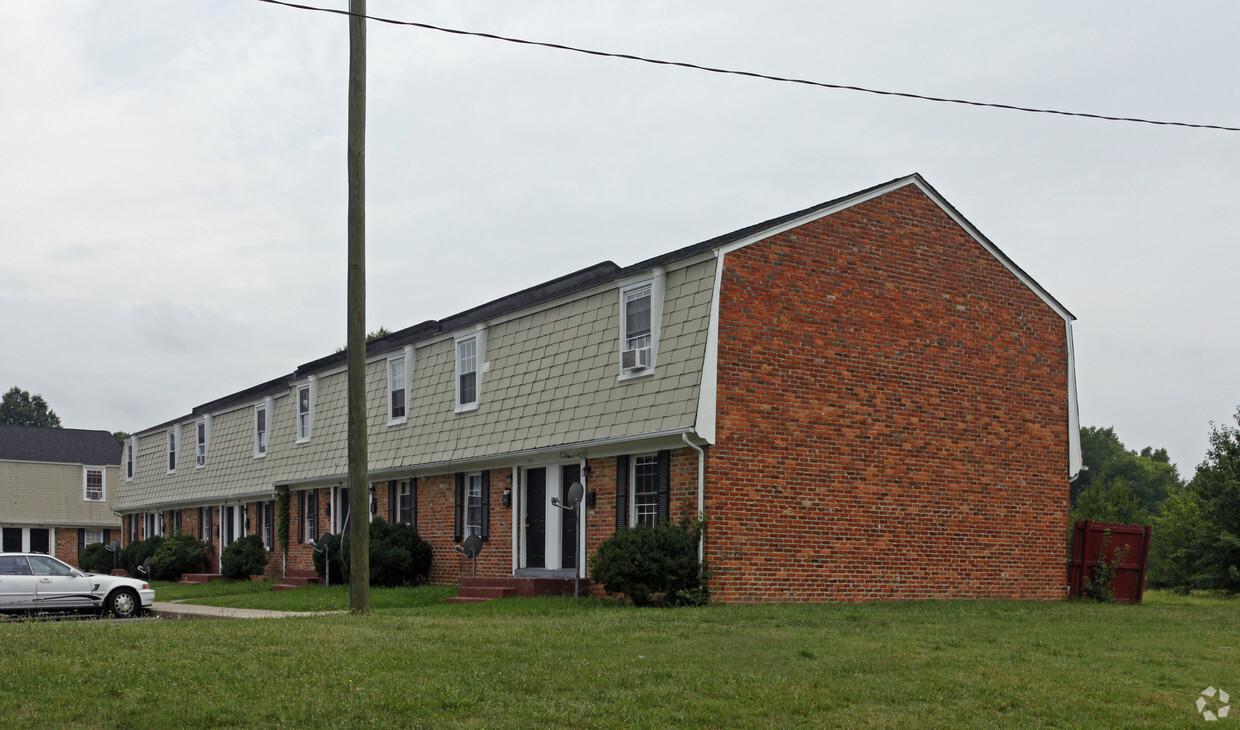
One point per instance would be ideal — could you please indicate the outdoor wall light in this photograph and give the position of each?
(507, 497)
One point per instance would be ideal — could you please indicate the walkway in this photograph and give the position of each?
(171, 610)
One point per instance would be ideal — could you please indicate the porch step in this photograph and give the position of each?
(296, 578)
(476, 590)
(197, 579)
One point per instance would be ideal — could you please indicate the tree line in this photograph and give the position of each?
(1195, 536)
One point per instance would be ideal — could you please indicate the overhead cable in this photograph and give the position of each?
(754, 74)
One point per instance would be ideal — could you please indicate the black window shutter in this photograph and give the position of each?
(210, 524)
(81, 542)
(393, 518)
(665, 487)
(486, 505)
(460, 506)
(622, 492)
(413, 502)
(301, 522)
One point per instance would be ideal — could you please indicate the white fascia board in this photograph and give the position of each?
(1075, 460)
(708, 405)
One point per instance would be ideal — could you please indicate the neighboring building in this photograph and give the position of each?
(866, 398)
(57, 486)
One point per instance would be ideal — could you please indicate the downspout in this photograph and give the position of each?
(515, 510)
(583, 515)
(701, 491)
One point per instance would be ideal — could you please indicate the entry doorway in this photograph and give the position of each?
(549, 535)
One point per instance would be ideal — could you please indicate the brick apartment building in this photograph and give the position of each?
(866, 398)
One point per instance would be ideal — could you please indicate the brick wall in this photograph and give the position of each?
(892, 417)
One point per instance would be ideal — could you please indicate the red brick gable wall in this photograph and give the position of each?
(892, 417)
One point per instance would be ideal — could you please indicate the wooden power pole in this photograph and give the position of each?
(359, 466)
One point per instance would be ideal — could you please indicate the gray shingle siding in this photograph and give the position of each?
(551, 379)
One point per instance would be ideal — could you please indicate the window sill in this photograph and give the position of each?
(261, 456)
(398, 422)
(467, 408)
(635, 374)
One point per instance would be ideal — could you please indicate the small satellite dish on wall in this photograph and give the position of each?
(471, 546)
(575, 494)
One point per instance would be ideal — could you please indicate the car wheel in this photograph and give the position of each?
(124, 603)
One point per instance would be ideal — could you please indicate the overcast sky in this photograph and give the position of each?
(173, 187)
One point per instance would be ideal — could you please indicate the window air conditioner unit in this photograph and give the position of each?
(636, 359)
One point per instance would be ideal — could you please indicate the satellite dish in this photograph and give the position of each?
(472, 546)
(325, 540)
(575, 493)
(114, 545)
(145, 568)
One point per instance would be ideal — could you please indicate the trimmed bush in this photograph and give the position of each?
(133, 555)
(96, 558)
(398, 556)
(244, 558)
(177, 555)
(653, 565)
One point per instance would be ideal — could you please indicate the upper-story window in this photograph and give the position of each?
(639, 316)
(260, 430)
(305, 411)
(467, 373)
(200, 456)
(172, 450)
(396, 389)
(129, 459)
(92, 490)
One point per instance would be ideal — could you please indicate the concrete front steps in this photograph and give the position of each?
(477, 590)
(296, 578)
(197, 579)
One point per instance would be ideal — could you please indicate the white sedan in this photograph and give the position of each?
(32, 582)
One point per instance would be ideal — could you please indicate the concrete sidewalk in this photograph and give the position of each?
(169, 610)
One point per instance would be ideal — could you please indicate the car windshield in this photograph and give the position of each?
(43, 565)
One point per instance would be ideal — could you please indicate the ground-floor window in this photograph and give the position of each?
(90, 537)
(26, 540)
(645, 490)
(473, 504)
(268, 521)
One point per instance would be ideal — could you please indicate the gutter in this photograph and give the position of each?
(701, 491)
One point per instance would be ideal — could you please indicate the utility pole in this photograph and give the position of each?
(359, 465)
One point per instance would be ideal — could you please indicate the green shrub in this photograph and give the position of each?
(654, 565)
(177, 555)
(398, 556)
(244, 558)
(96, 558)
(133, 555)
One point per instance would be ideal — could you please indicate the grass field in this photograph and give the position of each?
(554, 663)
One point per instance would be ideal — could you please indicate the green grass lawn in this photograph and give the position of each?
(556, 663)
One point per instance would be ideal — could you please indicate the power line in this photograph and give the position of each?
(754, 74)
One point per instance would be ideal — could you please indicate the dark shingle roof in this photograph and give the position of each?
(60, 445)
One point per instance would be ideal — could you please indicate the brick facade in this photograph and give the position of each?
(892, 417)
(881, 396)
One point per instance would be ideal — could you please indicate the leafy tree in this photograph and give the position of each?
(1216, 486)
(1149, 474)
(1174, 559)
(1110, 499)
(19, 408)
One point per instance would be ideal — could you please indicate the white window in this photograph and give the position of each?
(640, 306)
(172, 450)
(310, 515)
(204, 524)
(92, 537)
(129, 459)
(200, 458)
(404, 502)
(644, 509)
(473, 504)
(305, 412)
(396, 390)
(92, 484)
(260, 430)
(467, 374)
(268, 520)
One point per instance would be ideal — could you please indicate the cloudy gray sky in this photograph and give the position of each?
(173, 189)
